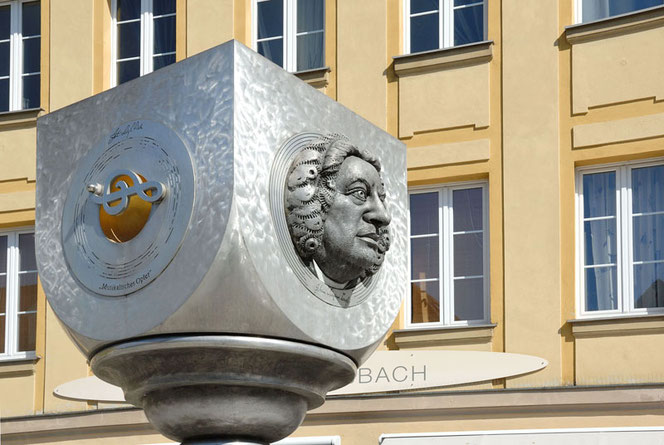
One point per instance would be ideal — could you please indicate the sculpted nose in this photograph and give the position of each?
(378, 214)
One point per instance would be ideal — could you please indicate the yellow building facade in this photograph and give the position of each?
(556, 119)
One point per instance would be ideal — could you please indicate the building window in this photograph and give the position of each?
(143, 32)
(435, 24)
(620, 212)
(20, 47)
(591, 10)
(291, 33)
(18, 294)
(449, 254)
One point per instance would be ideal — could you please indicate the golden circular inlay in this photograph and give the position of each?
(128, 223)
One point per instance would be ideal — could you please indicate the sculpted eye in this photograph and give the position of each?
(359, 194)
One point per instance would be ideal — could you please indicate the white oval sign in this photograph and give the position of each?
(404, 370)
(384, 371)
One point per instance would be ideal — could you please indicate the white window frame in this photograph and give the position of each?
(610, 436)
(12, 294)
(445, 23)
(446, 249)
(578, 12)
(16, 53)
(147, 54)
(624, 233)
(289, 30)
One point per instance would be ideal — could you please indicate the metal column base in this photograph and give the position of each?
(223, 389)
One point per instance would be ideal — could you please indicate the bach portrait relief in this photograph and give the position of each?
(336, 212)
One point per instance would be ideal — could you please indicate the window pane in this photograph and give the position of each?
(600, 246)
(467, 209)
(129, 9)
(2, 334)
(3, 294)
(599, 194)
(423, 6)
(310, 15)
(424, 33)
(4, 95)
(164, 35)
(4, 59)
(163, 7)
(648, 189)
(28, 292)
(5, 18)
(465, 2)
(469, 299)
(3, 254)
(31, 19)
(128, 70)
(599, 9)
(425, 300)
(310, 51)
(31, 91)
(424, 258)
(468, 25)
(26, 247)
(423, 213)
(468, 255)
(601, 289)
(273, 50)
(129, 40)
(648, 237)
(270, 19)
(162, 61)
(31, 55)
(649, 285)
(27, 331)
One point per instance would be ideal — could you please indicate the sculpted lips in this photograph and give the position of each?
(370, 238)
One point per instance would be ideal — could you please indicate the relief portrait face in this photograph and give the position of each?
(355, 223)
(336, 211)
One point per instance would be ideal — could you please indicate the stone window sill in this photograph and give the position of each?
(620, 24)
(443, 58)
(11, 366)
(618, 325)
(9, 118)
(441, 336)
(317, 77)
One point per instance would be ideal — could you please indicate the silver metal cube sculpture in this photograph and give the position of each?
(222, 241)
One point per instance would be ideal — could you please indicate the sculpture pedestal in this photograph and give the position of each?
(218, 389)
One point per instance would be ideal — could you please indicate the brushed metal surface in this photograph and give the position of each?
(233, 110)
(223, 386)
(298, 108)
(193, 98)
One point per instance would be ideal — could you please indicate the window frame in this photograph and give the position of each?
(578, 13)
(146, 56)
(624, 236)
(445, 23)
(16, 38)
(11, 352)
(446, 263)
(289, 33)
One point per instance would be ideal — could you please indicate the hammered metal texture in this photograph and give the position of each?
(194, 98)
(271, 107)
(233, 109)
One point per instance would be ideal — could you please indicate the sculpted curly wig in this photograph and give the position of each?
(311, 191)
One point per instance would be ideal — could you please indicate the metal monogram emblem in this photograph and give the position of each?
(116, 238)
(103, 195)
